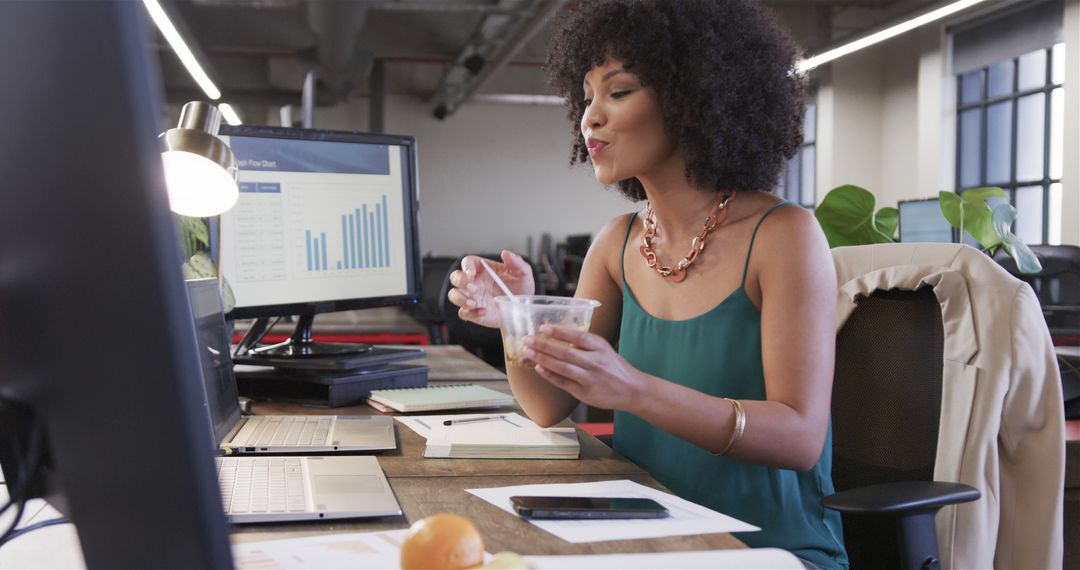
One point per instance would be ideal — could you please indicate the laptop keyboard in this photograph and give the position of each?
(261, 485)
(290, 431)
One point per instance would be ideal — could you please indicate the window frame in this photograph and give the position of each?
(1014, 96)
(796, 162)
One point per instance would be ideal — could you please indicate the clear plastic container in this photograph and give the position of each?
(523, 315)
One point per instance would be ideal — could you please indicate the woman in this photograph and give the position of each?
(722, 379)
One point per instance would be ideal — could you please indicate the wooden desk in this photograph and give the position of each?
(451, 363)
(428, 486)
(425, 496)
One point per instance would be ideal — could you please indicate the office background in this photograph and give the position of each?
(494, 173)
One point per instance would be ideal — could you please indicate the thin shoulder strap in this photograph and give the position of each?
(626, 240)
(750, 249)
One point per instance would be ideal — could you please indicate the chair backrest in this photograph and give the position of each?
(429, 310)
(1057, 285)
(482, 341)
(886, 405)
(889, 360)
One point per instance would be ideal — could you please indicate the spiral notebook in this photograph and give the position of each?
(452, 397)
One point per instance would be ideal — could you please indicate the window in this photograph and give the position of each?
(1010, 118)
(798, 181)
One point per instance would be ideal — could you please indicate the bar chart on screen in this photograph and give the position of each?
(364, 241)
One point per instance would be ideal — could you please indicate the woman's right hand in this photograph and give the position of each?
(474, 290)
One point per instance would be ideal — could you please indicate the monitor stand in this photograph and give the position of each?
(301, 359)
(300, 344)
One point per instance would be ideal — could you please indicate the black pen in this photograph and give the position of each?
(471, 420)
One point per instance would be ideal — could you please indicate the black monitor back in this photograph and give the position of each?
(96, 338)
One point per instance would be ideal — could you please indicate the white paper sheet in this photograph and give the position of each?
(757, 558)
(684, 517)
(423, 425)
(355, 550)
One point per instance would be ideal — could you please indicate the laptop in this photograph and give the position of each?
(279, 488)
(244, 435)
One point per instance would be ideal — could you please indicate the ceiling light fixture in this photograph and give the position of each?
(880, 36)
(519, 99)
(229, 113)
(172, 35)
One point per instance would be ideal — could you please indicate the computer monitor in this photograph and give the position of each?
(922, 221)
(326, 221)
(97, 346)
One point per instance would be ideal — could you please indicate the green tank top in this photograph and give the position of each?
(719, 353)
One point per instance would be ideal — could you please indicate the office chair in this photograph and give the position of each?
(945, 389)
(1057, 285)
(1058, 289)
(551, 265)
(429, 310)
(889, 357)
(482, 341)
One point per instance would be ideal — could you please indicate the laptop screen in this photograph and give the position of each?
(213, 343)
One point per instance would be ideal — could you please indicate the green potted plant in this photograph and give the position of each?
(847, 216)
(198, 263)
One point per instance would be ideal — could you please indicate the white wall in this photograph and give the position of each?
(849, 123)
(898, 121)
(491, 174)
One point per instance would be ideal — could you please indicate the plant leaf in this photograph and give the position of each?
(195, 228)
(201, 266)
(983, 194)
(972, 214)
(886, 221)
(228, 299)
(847, 217)
(950, 207)
(1004, 215)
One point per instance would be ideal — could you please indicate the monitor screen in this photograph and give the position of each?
(96, 336)
(326, 221)
(922, 221)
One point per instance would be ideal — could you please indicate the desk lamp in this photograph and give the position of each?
(200, 169)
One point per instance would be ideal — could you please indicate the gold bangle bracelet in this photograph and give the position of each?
(740, 427)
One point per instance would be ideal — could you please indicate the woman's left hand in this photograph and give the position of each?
(586, 366)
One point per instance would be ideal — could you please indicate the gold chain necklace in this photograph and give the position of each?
(697, 245)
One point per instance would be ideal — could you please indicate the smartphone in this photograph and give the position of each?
(587, 508)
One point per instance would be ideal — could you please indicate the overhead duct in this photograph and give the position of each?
(497, 39)
(337, 24)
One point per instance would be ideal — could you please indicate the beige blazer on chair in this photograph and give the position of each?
(1002, 425)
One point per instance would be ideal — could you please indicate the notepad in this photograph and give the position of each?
(511, 436)
(451, 397)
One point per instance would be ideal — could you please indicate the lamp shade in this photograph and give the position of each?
(200, 169)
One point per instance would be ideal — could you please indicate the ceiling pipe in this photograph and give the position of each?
(448, 100)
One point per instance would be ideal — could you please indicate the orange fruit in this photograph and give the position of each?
(443, 541)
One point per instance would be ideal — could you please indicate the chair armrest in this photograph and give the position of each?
(900, 498)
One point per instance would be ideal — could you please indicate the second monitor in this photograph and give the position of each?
(922, 221)
(326, 221)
